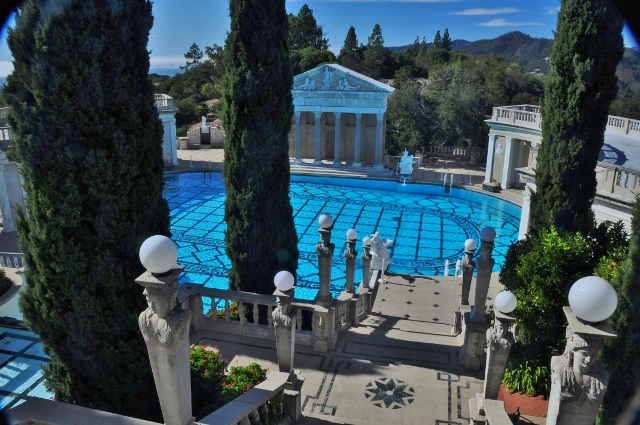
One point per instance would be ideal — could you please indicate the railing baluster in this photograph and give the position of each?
(227, 310)
(269, 315)
(243, 319)
(256, 315)
(214, 308)
(299, 320)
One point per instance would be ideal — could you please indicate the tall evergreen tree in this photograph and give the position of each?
(89, 141)
(446, 41)
(257, 108)
(376, 39)
(350, 54)
(581, 84)
(305, 32)
(193, 57)
(437, 41)
(622, 354)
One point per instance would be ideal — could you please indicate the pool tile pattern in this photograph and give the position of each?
(21, 361)
(427, 228)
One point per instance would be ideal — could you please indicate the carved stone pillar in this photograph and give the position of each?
(366, 263)
(318, 139)
(468, 265)
(490, 153)
(579, 381)
(284, 321)
(379, 140)
(499, 343)
(350, 259)
(476, 323)
(508, 169)
(358, 142)
(324, 249)
(525, 212)
(166, 332)
(336, 146)
(298, 159)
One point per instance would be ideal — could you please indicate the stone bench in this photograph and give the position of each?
(491, 187)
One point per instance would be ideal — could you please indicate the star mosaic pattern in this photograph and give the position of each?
(389, 393)
(427, 226)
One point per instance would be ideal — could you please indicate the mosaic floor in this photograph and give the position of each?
(21, 356)
(427, 227)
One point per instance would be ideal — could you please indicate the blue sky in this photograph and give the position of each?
(179, 23)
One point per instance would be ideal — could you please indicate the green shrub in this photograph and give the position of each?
(528, 378)
(5, 282)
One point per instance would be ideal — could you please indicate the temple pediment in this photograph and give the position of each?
(337, 78)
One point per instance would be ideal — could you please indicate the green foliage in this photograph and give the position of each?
(580, 87)
(379, 62)
(309, 58)
(256, 110)
(409, 118)
(351, 54)
(5, 282)
(446, 41)
(193, 57)
(528, 378)
(241, 379)
(627, 107)
(376, 39)
(622, 354)
(437, 41)
(89, 141)
(305, 32)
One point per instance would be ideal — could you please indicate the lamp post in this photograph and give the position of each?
(468, 265)
(578, 380)
(324, 249)
(499, 343)
(284, 320)
(350, 259)
(165, 329)
(366, 262)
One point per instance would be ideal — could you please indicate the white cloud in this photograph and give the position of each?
(6, 68)
(550, 10)
(167, 62)
(483, 11)
(505, 23)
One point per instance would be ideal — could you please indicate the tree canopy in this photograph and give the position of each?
(305, 32)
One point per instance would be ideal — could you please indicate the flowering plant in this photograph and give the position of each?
(241, 379)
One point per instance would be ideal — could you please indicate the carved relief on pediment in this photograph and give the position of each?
(327, 78)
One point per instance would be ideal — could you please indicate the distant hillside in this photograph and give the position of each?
(532, 53)
(455, 45)
(628, 74)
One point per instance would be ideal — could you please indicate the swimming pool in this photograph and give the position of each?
(427, 225)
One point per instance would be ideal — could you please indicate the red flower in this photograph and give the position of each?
(206, 370)
(215, 346)
(205, 361)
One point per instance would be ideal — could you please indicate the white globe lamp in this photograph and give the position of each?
(505, 302)
(325, 221)
(158, 254)
(593, 299)
(469, 245)
(352, 235)
(488, 234)
(366, 241)
(284, 280)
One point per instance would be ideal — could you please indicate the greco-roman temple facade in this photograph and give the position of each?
(340, 115)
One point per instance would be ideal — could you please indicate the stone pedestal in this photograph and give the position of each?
(366, 267)
(165, 329)
(468, 266)
(460, 311)
(350, 260)
(284, 321)
(324, 249)
(499, 343)
(405, 178)
(472, 355)
(579, 381)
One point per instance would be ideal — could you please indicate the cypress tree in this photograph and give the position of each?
(376, 39)
(89, 141)
(622, 354)
(437, 41)
(446, 41)
(581, 85)
(350, 54)
(257, 108)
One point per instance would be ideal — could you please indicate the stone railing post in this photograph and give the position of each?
(366, 263)
(166, 334)
(499, 343)
(284, 321)
(325, 249)
(350, 259)
(476, 323)
(468, 266)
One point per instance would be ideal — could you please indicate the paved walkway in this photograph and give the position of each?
(404, 345)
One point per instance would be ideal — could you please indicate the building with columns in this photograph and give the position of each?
(515, 135)
(339, 115)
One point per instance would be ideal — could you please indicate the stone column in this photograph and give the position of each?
(476, 323)
(336, 145)
(366, 264)
(284, 321)
(468, 266)
(499, 343)
(490, 153)
(358, 142)
(525, 212)
(166, 333)
(379, 138)
(324, 249)
(350, 259)
(298, 159)
(507, 170)
(579, 381)
(317, 139)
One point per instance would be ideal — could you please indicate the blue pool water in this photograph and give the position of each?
(428, 226)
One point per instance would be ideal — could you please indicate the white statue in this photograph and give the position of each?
(327, 79)
(309, 84)
(379, 252)
(406, 163)
(344, 85)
